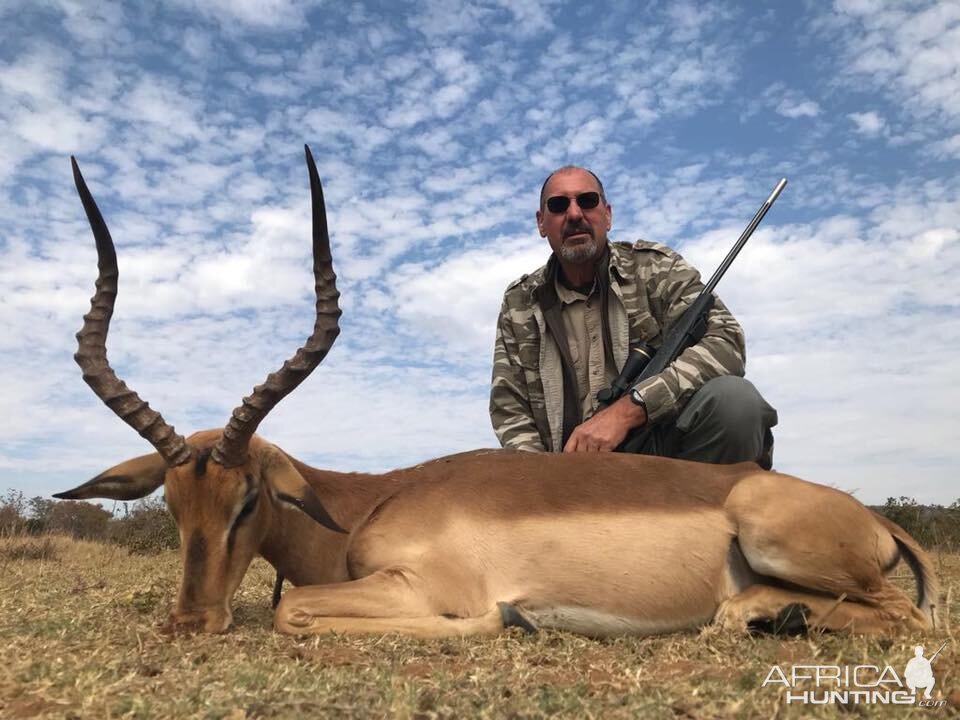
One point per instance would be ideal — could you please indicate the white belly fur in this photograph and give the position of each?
(635, 573)
(594, 623)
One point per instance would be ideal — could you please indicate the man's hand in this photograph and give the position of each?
(607, 429)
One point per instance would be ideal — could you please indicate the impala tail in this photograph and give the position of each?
(928, 586)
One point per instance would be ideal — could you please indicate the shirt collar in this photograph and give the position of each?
(568, 295)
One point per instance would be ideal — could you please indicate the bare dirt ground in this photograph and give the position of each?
(78, 627)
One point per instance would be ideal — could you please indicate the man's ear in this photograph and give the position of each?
(130, 480)
(543, 233)
(289, 486)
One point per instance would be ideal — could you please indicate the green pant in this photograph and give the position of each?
(726, 421)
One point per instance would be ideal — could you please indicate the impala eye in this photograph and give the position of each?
(247, 508)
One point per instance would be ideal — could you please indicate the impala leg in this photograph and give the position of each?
(818, 538)
(782, 611)
(436, 626)
(388, 601)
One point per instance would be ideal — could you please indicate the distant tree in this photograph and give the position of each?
(82, 520)
(13, 513)
(39, 510)
(931, 525)
(146, 528)
(905, 512)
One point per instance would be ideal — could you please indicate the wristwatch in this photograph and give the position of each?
(637, 399)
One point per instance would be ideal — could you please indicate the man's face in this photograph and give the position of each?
(577, 235)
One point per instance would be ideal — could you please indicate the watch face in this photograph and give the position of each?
(635, 396)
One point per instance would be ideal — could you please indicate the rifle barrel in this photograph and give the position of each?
(728, 260)
(683, 331)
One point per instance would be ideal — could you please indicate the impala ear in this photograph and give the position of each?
(290, 487)
(130, 480)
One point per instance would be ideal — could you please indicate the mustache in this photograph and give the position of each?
(574, 228)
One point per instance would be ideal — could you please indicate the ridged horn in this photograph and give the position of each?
(231, 450)
(91, 354)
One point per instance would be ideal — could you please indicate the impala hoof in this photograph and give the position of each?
(193, 623)
(790, 621)
(172, 627)
(512, 618)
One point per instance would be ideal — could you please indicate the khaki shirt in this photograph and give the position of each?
(583, 321)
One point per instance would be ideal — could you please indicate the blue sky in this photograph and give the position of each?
(433, 125)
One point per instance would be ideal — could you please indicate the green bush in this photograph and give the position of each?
(930, 525)
(147, 528)
(144, 528)
(82, 520)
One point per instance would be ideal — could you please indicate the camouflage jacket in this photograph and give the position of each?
(650, 287)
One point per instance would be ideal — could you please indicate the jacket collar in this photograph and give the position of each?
(618, 262)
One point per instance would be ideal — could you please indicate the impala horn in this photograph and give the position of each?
(91, 356)
(231, 449)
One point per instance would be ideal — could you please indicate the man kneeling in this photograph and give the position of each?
(565, 331)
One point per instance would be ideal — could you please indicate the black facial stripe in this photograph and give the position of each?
(193, 570)
(231, 539)
(200, 465)
(249, 505)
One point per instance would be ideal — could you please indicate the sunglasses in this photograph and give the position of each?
(585, 200)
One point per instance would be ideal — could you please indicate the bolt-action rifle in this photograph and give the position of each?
(644, 361)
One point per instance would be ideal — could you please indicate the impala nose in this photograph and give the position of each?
(213, 620)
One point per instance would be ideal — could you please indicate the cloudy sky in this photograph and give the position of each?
(433, 123)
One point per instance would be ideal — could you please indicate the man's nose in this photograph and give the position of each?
(573, 210)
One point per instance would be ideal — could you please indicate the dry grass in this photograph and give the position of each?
(28, 548)
(78, 631)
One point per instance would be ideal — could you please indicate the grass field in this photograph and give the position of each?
(78, 631)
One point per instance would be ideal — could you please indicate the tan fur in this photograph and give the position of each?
(599, 544)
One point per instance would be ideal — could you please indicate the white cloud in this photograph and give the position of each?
(198, 44)
(38, 76)
(787, 102)
(456, 301)
(529, 16)
(837, 335)
(949, 147)
(438, 18)
(160, 102)
(254, 14)
(794, 109)
(690, 21)
(679, 75)
(63, 133)
(906, 49)
(94, 23)
(869, 124)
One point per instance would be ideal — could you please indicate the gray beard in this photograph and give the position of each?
(581, 253)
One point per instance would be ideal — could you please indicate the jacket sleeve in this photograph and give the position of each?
(672, 288)
(510, 411)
